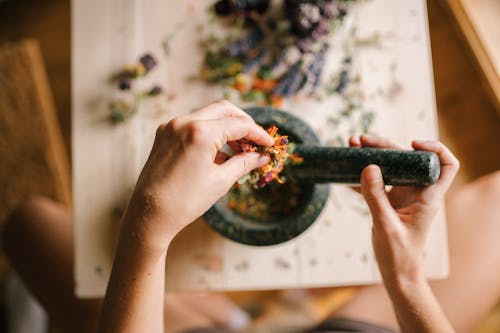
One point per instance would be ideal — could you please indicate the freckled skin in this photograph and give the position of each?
(179, 182)
(182, 180)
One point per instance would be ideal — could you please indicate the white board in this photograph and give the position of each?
(396, 82)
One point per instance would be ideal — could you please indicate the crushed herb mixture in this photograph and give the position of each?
(266, 204)
(280, 153)
(260, 193)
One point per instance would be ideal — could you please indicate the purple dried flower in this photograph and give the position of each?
(223, 7)
(316, 68)
(148, 61)
(328, 10)
(299, 81)
(266, 179)
(288, 79)
(343, 81)
(124, 85)
(321, 29)
(247, 43)
(304, 45)
(252, 63)
(246, 6)
(284, 141)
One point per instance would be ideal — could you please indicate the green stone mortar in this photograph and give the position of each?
(321, 165)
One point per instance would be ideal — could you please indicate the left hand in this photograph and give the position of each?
(402, 216)
(184, 174)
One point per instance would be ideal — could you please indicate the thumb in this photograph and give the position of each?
(373, 190)
(241, 164)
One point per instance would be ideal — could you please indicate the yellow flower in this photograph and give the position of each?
(233, 69)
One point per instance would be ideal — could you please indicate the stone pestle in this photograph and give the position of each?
(344, 165)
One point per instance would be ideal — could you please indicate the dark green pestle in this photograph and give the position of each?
(344, 165)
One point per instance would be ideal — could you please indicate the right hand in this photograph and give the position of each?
(403, 215)
(184, 174)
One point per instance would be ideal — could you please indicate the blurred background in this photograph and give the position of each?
(466, 83)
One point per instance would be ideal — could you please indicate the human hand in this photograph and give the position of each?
(186, 173)
(403, 215)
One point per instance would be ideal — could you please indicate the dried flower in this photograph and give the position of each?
(155, 91)
(124, 85)
(148, 61)
(120, 110)
(265, 46)
(280, 154)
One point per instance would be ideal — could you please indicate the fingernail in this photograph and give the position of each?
(264, 159)
(261, 159)
(238, 319)
(254, 154)
(375, 175)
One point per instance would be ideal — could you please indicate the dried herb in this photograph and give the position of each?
(261, 62)
(280, 154)
(120, 109)
(166, 44)
(266, 204)
(264, 194)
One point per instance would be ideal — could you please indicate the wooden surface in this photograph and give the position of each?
(337, 249)
(49, 23)
(31, 147)
(468, 122)
(479, 23)
(467, 119)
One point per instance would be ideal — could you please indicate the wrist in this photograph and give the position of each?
(402, 282)
(149, 222)
(138, 239)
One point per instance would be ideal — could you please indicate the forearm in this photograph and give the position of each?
(135, 294)
(415, 305)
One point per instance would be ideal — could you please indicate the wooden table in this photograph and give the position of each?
(479, 23)
(397, 84)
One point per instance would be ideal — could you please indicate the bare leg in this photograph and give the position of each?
(217, 308)
(473, 286)
(38, 241)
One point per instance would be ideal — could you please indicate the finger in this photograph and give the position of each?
(241, 164)
(379, 142)
(449, 163)
(354, 142)
(217, 110)
(234, 128)
(373, 190)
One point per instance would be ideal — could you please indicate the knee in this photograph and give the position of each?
(22, 221)
(488, 186)
(480, 199)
